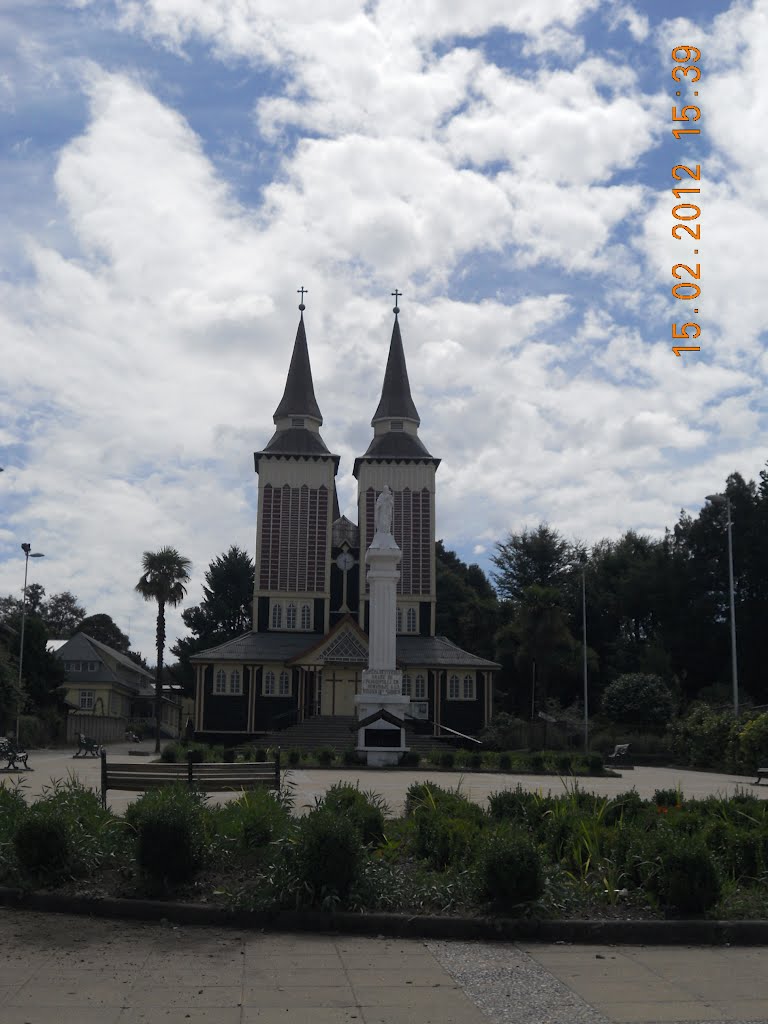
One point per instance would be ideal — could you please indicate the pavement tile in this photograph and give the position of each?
(598, 990)
(387, 961)
(203, 979)
(182, 1015)
(744, 1009)
(300, 977)
(81, 993)
(312, 961)
(273, 998)
(459, 1014)
(431, 999)
(304, 1015)
(430, 975)
(61, 1015)
(173, 996)
(659, 1013)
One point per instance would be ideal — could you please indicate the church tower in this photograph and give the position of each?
(396, 456)
(296, 509)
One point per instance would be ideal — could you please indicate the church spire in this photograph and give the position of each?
(396, 401)
(299, 395)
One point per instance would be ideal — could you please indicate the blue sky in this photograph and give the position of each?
(173, 170)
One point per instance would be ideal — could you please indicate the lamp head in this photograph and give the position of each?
(716, 499)
(26, 548)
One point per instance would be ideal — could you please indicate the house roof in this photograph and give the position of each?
(429, 651)
(82, 647)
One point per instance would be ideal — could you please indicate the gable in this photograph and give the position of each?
(346, 645)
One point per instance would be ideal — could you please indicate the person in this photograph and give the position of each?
(383, 514)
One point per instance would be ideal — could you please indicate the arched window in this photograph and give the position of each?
(234, 681)
(220, 685)
(406, 691)
(277, 616)
(399, 626)
(306, 617)
(269, 684)
(469, 687)
(453, 688)
(285, 684)
(421, 688)
(411, 620)
(290, 616)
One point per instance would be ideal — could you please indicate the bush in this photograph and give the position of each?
(327, 854)
(171, 827)
(170, 753)
(442, 841)
(325, 756)
(625, 807)
(702, 737)
(678, 870)
(505, 762)
(753, 742)
(253, 821)
(668, 797)
(510, 871)
(536, 762)
(260, 754)
(410, 759)
(639, 701)
(294, 757)
(33, 732)
(229, 755)
(364, 810)
(563, 764)
(475, 759)
(594, 763)
(447, 759)
(350, 757)
(515, 805)
(41, 844)
(428, 796)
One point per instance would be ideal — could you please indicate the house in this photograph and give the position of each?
(307, 649)
(107, 693)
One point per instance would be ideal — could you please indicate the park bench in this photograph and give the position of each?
(13, 755)
(207, 776)
(86, 746)
(620, 754)
(762, 773)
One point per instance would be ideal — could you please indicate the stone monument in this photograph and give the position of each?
(380, 704)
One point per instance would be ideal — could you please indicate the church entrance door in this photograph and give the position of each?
(338, 692)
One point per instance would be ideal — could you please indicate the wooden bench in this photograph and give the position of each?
(13, 755)
(86, 746)
(762, 773)
(620, 753)
(207, 776)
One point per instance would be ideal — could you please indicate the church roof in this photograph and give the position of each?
(296, 441)
(258, 648)
(396, 401)
(396, 444)
(299, 395)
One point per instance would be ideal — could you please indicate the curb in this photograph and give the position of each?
(639, 933)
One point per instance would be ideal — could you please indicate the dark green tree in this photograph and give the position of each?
(62, 615)
(639, 701)
(102, 627)
(224, 613)
(467, 606)
(540, 557)
(162, 580)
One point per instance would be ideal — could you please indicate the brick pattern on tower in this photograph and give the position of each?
(411, 528)
(294, 538)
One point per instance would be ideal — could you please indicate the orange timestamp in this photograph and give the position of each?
(686, 72)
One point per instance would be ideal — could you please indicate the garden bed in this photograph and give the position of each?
(527, 857)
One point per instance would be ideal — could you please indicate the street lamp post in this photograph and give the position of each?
(723, 499)
(584, 646)
(28, 553)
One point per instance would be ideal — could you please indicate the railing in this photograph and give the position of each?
(445, 728)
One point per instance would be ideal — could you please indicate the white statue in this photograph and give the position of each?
(383, 514)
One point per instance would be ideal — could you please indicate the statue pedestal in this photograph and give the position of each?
(381, 717)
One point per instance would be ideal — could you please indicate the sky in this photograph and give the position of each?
(172, 171)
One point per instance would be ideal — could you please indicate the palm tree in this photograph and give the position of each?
(165, 573)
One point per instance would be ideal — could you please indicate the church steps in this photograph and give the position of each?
(339, 734)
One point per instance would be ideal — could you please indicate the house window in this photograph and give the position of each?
(86, 700)
(220, 681)
(399, 626)
(461, 689)
(420, 693)
(406, 691)
(285, 684)
(74, 666)
(234, 682)
(453, 688)
(306, 617)
(268, 689)
(290, 616)
(277, 616)
(411, 620)
(92, 666)
(469, 687)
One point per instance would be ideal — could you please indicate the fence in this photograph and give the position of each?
(102, 728)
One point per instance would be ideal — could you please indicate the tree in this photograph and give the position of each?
(638, 700)
(537, 557)
(164, 574)
(467, 606)
(102, 627)
(62, 615)
(224, 613)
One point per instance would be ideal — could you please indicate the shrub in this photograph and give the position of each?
(475, 759)
(515, 805)
(171, 827)
(638, 700)
(33, 732)
(12, 807)
(229, 755)
(364, 810)
(510, 870)
(428, 796)
(505, 762)
(701, 738)
(350, 757)
(294, 757)
(260, 754)
(668, 797)
(625, 807)
(434, 756)
(410, 759)
(490, 760)
(753, 742)
(678, 870)
(536, 762)
(595, 764)
(325, 756)
(442, 841)
(563, 764)
(447, 759)
(170, 753)
(41, 845)
(253, 821)
(327, 853)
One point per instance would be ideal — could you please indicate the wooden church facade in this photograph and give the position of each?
(308, 645)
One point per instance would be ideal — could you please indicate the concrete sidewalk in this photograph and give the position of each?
(67, 970)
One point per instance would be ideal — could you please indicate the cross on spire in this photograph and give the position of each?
(397, 294)
(301, 291)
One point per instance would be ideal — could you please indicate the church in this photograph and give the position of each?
(309, 645)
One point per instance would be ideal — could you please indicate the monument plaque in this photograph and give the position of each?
(384, 682)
